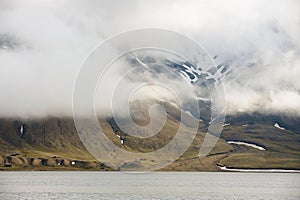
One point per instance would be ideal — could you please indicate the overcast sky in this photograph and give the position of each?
(43, 44)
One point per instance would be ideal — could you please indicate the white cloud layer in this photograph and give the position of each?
(52, 38)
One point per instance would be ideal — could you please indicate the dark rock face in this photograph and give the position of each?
(7, 165)
(50, 133)
(8, 42)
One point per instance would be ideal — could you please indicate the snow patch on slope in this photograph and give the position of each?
(247, 144)
(278, 126)
(224, 168)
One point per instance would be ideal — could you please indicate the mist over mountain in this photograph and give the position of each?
(43, 44)
(246, 68)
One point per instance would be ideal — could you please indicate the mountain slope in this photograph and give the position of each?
(53, 144)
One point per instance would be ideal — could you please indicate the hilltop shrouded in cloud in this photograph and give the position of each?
(43, 44)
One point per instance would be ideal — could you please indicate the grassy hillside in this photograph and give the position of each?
(53, 144)
(282, 146)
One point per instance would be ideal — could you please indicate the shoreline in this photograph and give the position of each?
(221, 169)
(229, 169)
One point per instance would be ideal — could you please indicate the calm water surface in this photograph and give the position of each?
(154, 185)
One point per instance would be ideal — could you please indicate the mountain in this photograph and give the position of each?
(34, 143)
(248, 140)
(53, 143)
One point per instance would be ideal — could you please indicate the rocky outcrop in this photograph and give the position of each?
(15, 160)
(53, 162)
(64, 162)
(35, 162)
(1, 161)
(49, 162)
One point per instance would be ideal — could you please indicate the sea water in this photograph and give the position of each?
(150, 185)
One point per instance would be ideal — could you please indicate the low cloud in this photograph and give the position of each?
(49, 41)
